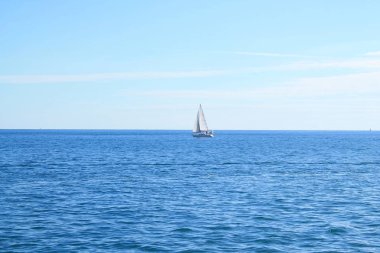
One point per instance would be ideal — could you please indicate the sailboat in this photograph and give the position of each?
(200, 127)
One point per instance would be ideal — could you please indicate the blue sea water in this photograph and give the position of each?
(165, 191)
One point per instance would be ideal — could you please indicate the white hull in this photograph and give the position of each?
(203, 134)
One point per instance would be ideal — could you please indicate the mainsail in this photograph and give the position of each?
(200, 122)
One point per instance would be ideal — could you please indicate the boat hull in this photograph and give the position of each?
(199, 135)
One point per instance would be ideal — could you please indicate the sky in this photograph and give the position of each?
(254, 65)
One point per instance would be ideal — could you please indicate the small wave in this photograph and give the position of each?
(183, 230)
(337, 230)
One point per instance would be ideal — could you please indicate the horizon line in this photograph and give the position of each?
(189, 130)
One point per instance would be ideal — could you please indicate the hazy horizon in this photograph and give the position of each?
(189, 130)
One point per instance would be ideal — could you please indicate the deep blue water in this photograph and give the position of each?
(164, 191)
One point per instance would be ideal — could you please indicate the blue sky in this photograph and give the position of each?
(148, 64)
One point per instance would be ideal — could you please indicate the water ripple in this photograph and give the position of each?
(130, 191)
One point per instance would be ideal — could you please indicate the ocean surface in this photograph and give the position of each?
(165, 191)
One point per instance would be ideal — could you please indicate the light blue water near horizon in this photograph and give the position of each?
(164, 191)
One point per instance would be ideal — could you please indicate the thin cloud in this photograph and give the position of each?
(375, 53)
(359, 64)
(268, 54)
(25, 79)
(332, 64)
(338, 85)
(349, 84)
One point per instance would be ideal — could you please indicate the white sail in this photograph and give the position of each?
(202, 120)
(200, 124)
(196, 128)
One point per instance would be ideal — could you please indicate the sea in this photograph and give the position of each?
(165, 191)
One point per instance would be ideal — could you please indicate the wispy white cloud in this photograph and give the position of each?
(309, 62)
(342, 85)
(270, 54)
(351, 85)
(331, 64)
(374, 53)
(14, 79)
(358, 64)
